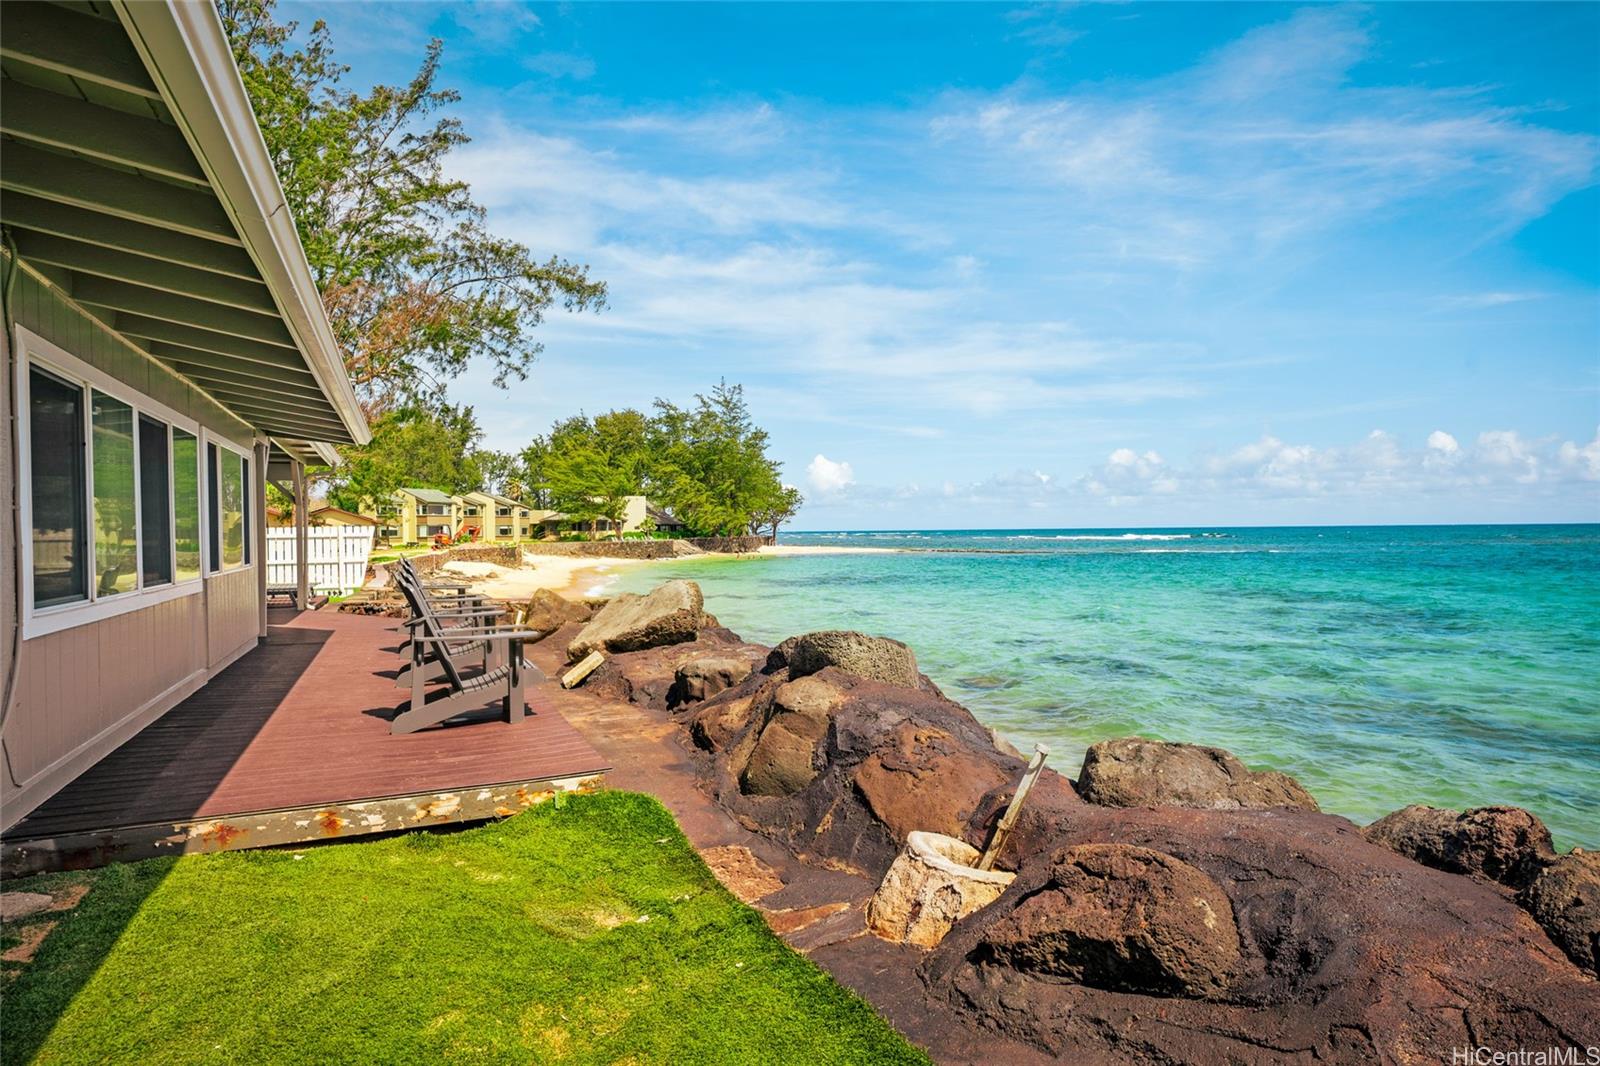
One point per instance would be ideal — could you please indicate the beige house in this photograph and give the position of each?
(415, 516)
(636, 510)
(320, 515)
(499, 520)
(166, 353)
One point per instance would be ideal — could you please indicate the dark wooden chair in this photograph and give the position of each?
(454, 621)
(460, 691)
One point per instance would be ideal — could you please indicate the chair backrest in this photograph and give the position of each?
(430, 627)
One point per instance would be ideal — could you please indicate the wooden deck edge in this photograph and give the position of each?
(294, 825)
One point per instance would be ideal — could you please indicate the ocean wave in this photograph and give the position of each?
(1104, 536)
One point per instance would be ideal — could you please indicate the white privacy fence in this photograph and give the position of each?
(337, 556)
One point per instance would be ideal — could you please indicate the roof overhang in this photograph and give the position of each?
(138, 184)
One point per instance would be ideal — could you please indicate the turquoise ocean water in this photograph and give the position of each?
(1455, 666)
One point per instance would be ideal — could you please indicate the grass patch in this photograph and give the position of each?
(585, 933)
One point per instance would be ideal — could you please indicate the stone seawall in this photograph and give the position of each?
(731, 545)
(615, 549)
(498, 554)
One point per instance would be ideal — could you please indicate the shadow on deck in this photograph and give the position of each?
(291, 744)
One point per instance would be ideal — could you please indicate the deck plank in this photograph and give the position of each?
(302, 721)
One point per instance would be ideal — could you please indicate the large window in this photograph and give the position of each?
(186, 504)
(155, 503)
(111, 492)
(55, 441)
(116, 522)
(229, 508)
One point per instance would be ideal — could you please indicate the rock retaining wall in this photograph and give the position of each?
(729, 545)
(615, 549)
(498, 554)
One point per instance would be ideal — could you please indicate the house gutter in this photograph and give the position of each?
(187, 54)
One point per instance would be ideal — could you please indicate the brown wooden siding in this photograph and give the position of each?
(80, 692)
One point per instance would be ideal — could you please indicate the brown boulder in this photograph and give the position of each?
(1348, 953)
(671, 614)
(1117, 917)
(650, 677)
(819, 762)
(1135, 772)
(547, 611)
(700, 679)
(874, 658)
(784, 758)
(924, 779)
(715, 725)
(1505, 844)
(1565, 900)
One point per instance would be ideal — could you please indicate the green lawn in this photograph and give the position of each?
(585, 933)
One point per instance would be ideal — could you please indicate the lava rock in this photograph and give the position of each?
(1118, 917)
(923, 778)
(1135, 772)
(700, 679)
(1504, 844)
(841, 768)
(1565, 900)
(547, 611)
(874, 658)
(784, 758)
(1348, 953)
(671, 614)
(1049, 808)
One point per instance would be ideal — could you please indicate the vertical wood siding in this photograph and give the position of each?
(232, 604)
(81, 692)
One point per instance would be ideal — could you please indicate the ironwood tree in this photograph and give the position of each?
(414, 282)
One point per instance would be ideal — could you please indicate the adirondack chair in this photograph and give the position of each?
(433, 585)
(454, 622)
(461, 692)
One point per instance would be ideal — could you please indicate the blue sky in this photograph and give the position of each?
(1120, 265)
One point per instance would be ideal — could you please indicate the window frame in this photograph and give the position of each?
(215, 567)
(33, 350)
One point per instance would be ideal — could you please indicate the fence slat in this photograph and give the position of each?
(336, 556)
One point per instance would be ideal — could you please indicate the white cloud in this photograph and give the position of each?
(1264, 143)
(1128, 473)
(561, 65)
(827, 477)
(1474, 301)
(1505, 452)
(1583, 460)
(1443, 443)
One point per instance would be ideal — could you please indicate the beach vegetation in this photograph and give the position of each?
(587, 931)
(414, 282)
(709, 462)
(412, 446)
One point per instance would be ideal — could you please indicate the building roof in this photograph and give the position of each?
(138, 186)
(661, 517)
(358, 519)
(430, 495)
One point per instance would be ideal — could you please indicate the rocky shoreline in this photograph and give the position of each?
(1169, 904)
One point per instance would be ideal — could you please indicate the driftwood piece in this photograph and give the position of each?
(574, 677)
(1014, 808)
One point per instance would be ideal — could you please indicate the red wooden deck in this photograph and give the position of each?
(301, 724)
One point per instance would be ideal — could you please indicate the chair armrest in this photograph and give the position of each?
(493, 633)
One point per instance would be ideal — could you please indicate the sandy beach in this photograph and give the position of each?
(574, 578)
(577, 578)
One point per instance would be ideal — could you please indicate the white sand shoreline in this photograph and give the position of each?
(580, 577)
